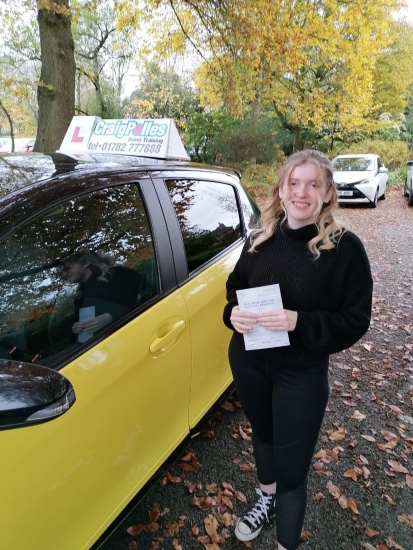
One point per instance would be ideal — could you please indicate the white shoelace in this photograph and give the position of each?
(260, 509)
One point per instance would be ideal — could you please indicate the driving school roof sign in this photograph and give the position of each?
(154, 138)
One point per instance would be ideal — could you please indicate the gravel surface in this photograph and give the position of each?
(361, 481)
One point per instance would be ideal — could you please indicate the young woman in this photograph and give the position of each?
(326, 287)
(111, 289)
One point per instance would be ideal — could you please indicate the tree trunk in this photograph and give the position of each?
(56, 89)
(297, 139)
(10, 125)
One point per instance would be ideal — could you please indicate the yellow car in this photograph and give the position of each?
(112, 348)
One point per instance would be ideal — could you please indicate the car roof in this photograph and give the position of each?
(23, 177)
(356, 155)
(18, 171)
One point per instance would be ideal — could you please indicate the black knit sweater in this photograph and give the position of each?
(332, 294)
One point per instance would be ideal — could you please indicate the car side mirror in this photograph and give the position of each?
(30, 394)
(383, 169)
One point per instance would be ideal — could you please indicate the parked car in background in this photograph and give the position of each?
(88, 417)
(408, 185)
(360, 179)
(21, 145)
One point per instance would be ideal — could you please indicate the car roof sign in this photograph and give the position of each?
(153, 138)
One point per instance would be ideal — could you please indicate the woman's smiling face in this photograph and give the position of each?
(304, 195)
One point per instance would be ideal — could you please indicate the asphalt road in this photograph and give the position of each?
(361, 482)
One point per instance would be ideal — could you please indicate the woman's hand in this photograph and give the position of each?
(92, 325)
(242, 321)
(280, 319)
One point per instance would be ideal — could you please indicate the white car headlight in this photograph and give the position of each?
(367, 180)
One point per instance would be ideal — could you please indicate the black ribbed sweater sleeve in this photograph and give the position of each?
(332, 295)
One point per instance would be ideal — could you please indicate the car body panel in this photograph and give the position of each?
(140, 385)
(205, 302)
(360, 186)
(106, 444)
(21, 145)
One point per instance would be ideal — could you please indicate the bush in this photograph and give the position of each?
(259, 175)
(248, 143)
(394, 154)
(398, 177)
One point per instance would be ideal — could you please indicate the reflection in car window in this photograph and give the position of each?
(208, 216)
(353, 164)
(73, 271)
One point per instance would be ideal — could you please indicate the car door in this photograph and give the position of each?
(209, 240)
(383, 175)
(68, 479)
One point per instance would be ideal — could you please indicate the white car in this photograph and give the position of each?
(360, 179)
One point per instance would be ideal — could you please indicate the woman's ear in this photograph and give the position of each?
(328, 195)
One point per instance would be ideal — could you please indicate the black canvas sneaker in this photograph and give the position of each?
(250, 524)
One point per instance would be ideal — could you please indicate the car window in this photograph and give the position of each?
(353, 164)
(208, 217)
(72, 272)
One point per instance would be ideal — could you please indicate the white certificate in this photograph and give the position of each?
(257, 300)
(85, 313)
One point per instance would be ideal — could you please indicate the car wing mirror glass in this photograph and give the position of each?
(30, 394)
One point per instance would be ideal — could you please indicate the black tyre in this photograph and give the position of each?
(376, 198)
(410, 199)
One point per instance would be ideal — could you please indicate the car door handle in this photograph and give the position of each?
(159, 343)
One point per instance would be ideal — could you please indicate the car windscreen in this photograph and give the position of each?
(353, 164)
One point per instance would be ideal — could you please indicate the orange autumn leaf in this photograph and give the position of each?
(353, 506)
(195, 530)
(154, 513)
(227, 519)
(409, 481)
(371, 532)
(241, 497)
(338, 435)
(343, 502)
(136, 529)
(211, 524)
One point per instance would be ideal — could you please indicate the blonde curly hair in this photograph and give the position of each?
(329, 228)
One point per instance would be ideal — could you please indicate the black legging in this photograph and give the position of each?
(285, 407)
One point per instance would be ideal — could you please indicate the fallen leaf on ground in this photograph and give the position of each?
(338, 435)
(407, 520)
(393, 544)
(368, 438)
(333, 490)
(241, 497)
(135, 530)
(154, 513)
(211, 524)
(397, 467)
(357, 415)
(353, 506)
(371, 532)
